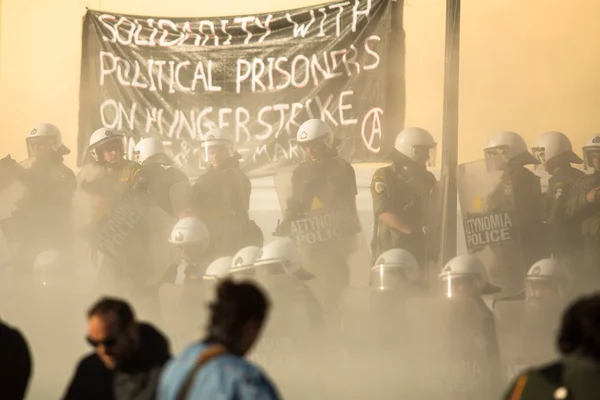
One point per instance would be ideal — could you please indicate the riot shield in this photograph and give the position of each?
(435, 230)
(526, 333)
(510, 317)
(371, 345)
(453, 349)
(134, 234)
(291, 347)
(326, 229)
(490, 224)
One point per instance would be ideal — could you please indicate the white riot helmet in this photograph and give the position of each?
(313, 130)
(218, 269)
(590, 147)
(553, 144)
(45, 267)
(507, 146)
(151, 151)
(242, 263)
(393, 269)
(467, 267)
(550, 273)
(46, 133)
(417, 145)
(281, 257)
(189, 230)
(104, 140)
(217, 138)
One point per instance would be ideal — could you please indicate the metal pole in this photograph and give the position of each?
(450, 129)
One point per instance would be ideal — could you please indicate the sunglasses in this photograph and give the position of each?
(108, 342)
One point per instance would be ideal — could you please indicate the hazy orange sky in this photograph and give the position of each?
(526, 65)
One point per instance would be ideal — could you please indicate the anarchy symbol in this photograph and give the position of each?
(371, 129)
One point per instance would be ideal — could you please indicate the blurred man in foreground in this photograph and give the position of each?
(15, 363)
(215, 367)
(127, 359)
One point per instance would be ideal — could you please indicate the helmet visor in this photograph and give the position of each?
(550, 288)
(386, 278)
(495, 159)
(591, 157)
(110, 150)
(216, 151)
(40, 146)
(425, 155)
(461, 286)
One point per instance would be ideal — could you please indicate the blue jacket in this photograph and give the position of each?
(225, 377)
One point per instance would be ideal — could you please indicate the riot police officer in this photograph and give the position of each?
(293, 339)
(519, 191)
(400, 195)
(554, 151)
(221, 196)
(191, 237)
(547, 291)
(584, 209)
(42, 216)
(158, 170)
(323, 181)
(183, 287)
(471, 333)
(107, 177)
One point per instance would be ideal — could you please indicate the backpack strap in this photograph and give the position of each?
(207, 355)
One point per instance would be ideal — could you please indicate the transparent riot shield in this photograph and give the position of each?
(134, 234)
(326, 228)
(490, 224)
(453, 349)
(510, 319)
(291, 346)
(435, 231)
(371, 346)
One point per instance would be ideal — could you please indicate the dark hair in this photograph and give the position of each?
(236, 305)
(580, 329)
(122, 309)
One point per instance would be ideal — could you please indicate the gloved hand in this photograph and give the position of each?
(7, 162)
(283, 229)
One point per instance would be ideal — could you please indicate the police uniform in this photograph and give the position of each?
(519, 191)
(221, 199)
(405, 194)
(159, 181)
(328, 183)
(565, 237)
(43, 214)
(574, 377)
(111, 184)
(587, 216)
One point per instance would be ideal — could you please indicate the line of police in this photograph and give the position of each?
(213, 225)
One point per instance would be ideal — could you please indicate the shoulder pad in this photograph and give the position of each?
(381, 171)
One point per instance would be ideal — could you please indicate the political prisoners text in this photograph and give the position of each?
(249, 75)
